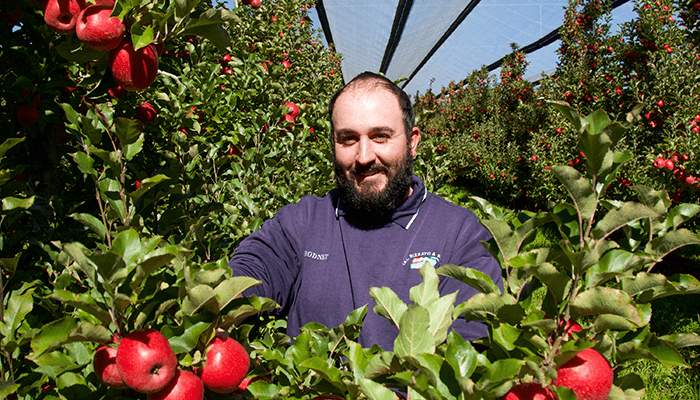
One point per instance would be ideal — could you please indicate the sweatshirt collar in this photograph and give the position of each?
(407, 212)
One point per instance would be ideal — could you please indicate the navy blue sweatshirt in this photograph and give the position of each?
(319, 267)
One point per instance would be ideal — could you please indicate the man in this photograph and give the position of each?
(319, 258)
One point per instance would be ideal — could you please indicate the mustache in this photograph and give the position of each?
(371, 169)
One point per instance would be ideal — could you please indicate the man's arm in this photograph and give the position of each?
(472, 254)
(269, 255)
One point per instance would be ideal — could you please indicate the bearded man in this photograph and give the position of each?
(319, 258)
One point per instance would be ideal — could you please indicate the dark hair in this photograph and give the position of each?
(371, 78)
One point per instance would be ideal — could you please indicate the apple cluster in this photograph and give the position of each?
(588, 374)
(95, 26)
(674, 164)
(144, 361)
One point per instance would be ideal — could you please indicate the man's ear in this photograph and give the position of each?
(414, 140)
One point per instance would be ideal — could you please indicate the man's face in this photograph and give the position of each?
(373, 156)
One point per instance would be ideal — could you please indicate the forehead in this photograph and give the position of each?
(364, 98)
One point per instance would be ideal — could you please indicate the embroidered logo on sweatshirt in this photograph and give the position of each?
(416, 260)
(315, 256)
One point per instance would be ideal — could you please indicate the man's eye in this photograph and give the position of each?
(347, 140)
(381, 138)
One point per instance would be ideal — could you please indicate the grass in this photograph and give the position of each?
(679, 314)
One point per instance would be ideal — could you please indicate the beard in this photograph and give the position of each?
(374, 208)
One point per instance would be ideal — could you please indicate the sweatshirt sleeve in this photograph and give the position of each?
(472, 253)
(270, 255)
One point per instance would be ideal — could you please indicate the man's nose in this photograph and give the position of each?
(365, 152)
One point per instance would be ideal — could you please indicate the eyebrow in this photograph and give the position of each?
(376, 129)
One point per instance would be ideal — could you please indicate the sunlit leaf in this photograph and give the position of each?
(412, 338)
(470, 276)
(387, 304)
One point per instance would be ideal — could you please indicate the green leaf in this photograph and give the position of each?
(650, 287)
(376, 391)
(183, 8)
(52, 334)
(612, 264)
(412, 338)
(433, 366)
(357, 358)
(506, 335)
(657, 200)
(604, 300)
(440, 311)
(232, 288)
(54, 364)
(18, 305)
(200, 297)
(148, 184)
(500, 371)
(141, 36)
(567, 112)
(264, 390)
(109, 190)
(628, 387)
(321, 367)
(680, 214)
(7, 388)
(667, 355)
(504, 237)
(83, 301)
(9, 265)
(427, 290)
(210, 26)
(130, 136)
(461, 355)
(555, 281)
(127, 245)
(245, 307)
(387, 304)
(75, 51)
(91, 222)
(619, 217)
(671, 241)
(579, 189)
(7, 144)
(71, 115)
(480, 306)
(11, 203)
(681, 340)
(85, 163)
(188, 340)
(471, 277)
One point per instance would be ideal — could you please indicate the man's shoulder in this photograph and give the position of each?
(446, 207)
(308, 206)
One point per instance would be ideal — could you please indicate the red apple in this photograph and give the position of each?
(185, 386)
(116, 91)
(145, 112)
(60, 15)
(255, 3)
(134, 69)
(571, 326)
(27, 115)
(529, 391)
(588, 374)
(291, 115)
(145, 361)
(226, 365)
(98, 29)
(286, 64)
(105, 365)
